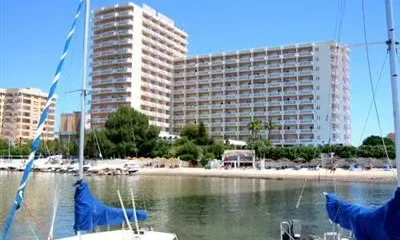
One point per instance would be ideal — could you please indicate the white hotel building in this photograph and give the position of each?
(302, 88)
(133, 49)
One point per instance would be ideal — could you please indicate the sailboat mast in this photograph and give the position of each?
(394, 81)
(83, 97)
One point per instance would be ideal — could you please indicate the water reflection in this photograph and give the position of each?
(194, 208)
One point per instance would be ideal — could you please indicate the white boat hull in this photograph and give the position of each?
(125, 235)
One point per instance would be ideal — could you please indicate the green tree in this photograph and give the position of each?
(96, 143)
(377, 140)
(255, 126)
(162, 149)
(345, 151)
(202, 135)
(206, 158)
(188, 152)
(269, 126)
(190, 131)
(259, 146)
(3, 144)
(131, 133)
(308, 153)
(217, 148)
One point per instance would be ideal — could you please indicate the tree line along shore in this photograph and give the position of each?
(128, 134)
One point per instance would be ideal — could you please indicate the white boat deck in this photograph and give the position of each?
(125, 235)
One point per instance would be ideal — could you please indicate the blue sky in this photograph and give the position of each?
(32, 34)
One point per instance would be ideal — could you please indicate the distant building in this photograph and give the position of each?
(239, 158)
(20, 110)
(303, 89)
(391, 136)
(69, 123)
(133, 52)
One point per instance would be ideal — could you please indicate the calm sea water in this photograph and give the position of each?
(193, 208)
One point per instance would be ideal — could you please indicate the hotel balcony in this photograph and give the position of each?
(111, 71)
(306, 121)
(98, 119)
(306, 82)
(101, 91)
(229, 61)
(106, 81)
(305, 63)
(112, 43)
(274, 56)
(276, 74)
(109, 53)
(113, 24)
(305, 73)
(307, 140)
(103, 110)
(305, 54)
(259, 67)
(113, 15)
(118, 34)
(259, 58)
(101, 63)
(111, 100)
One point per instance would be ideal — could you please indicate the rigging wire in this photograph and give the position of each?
(341, 10)
(338, 31)
(97, 143)
(31, 228)
(341, 6)
(55, 207)
(372, 101)
(370, 76)
(301, 194)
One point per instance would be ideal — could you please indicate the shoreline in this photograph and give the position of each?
(373, 175)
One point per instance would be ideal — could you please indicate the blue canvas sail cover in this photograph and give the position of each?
(382, 223)
(89, 212)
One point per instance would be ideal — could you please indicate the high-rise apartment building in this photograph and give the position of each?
(20, 109)
(132, 62)
(303, 89)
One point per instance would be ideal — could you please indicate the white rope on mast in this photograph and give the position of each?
(301, 194)
(124, 211)
(134, 210)
(55, 206)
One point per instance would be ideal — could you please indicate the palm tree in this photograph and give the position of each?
(269, 126)
(255, 126)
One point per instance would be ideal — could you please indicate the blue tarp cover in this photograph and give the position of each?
(89, 212)
(382, 223)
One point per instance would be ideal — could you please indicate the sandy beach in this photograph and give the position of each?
(374, 175)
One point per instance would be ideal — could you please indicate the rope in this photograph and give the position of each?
(372, 101)
(36, 140)
(370, 78)
(301, 194)
(134, 210)
(124, 211)
(98, 144)
(338, 30)
(54, 213)
(31, 229)
(27, 212)
(287, 234)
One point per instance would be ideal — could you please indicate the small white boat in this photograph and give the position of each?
(131, 168)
